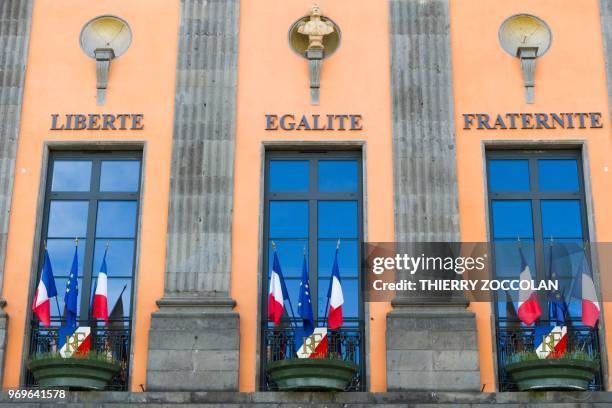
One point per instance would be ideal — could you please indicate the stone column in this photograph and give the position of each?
(15, 20)
(606, 27)
(194, 337)
(433, 345)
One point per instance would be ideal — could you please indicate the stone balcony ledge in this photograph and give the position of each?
(323, 399)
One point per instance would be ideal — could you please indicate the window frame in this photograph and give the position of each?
(313, 197)
(539, 241)
(93, 196)
(535, 197)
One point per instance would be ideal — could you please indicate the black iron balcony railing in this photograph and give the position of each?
(345, 343)
(512, 338)
(113, 339)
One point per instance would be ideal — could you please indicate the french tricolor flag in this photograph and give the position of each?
(590, 304)
(335, 296)
(528, 306)
(44, 292)
(100, 300)
(277, 292)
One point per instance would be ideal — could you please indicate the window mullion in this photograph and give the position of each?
(90, 242)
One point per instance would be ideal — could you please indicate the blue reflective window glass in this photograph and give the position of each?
(119, 257)
(337, 219)
(67, 219)
(61, 254)
(558, 175)
(508, 260)
(561, 218)
(288, 219)
(116, 219)
(508, 175)
(348, 257)
(338, 175)
(71, 175)
(290, 255)
(289, 175)
(567, 256)
(512, 219)
(120, 175)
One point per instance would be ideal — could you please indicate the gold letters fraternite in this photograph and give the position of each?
(316, 28)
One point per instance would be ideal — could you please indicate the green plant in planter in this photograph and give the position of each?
(570, 371)
(90, 371)
(328, 373)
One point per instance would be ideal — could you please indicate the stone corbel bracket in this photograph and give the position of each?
(314, 37)
(104, 56)
(315, 58)
(528, 56)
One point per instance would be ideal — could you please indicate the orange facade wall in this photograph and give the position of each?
(273, 79)
(61, 79)
(569, 78)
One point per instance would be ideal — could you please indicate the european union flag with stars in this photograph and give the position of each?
(72, 292)
(304, 302)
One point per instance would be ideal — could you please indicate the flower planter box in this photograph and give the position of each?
(311, 374)
(73, 373)
(552, 374)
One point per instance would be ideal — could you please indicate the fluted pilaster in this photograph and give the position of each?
(15, 20)
(194, 337)
(440, 337)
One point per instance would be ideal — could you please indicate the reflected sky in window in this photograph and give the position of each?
(561, 218)
(338, 219)
(61, 254)
(561, 225)
(512, 219)
(67, 219)
(508, 175)
(289, 175)
(116, 219)
(338, 175)
(290, 228)
(71, 175)
(73, 189)
(288, 219)
(558, 175)
(119, 259)
(120, 175)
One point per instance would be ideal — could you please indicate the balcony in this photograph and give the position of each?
(513, 337)
(113, 338)
(345, 343)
